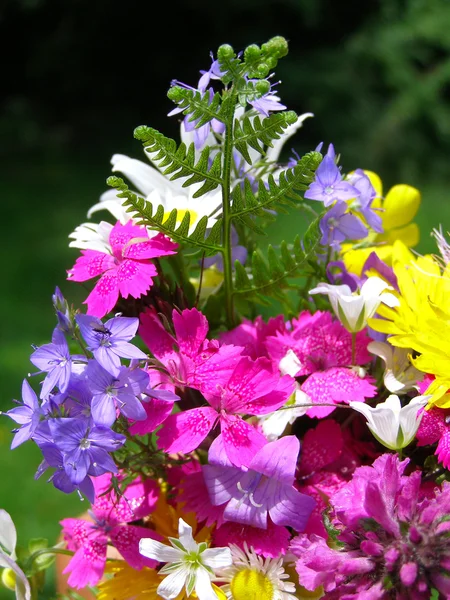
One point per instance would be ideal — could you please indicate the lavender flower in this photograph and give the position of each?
(28, 415)
(110, 341)
(110, 393)
(55, 360)
(338, 225)
(363, 203)
(328, 185)
(65, 321)
(267, 103)
(53, 458)
(265, 488)
(392, 541)
(85, 448)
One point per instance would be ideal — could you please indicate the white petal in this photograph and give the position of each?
(143, 176)
(393, 384)
(373, 287)
(217, 557)
(381, 421)
(203, 587)
(383, 350)
(23, 591)
(273, 153)
(172, 584)
(352, 308)
(186, 537)
(390, 300)
(8, 535)
(160, 552)
(409, 422)
(289, 364)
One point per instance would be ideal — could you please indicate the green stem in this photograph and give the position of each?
(226, 214)
(353, 348)
(53, 550)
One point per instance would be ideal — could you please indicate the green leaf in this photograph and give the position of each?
(270, 277)
(284, 191)
(256, 133)
(197, 105)
(181, 161)
(178, 230)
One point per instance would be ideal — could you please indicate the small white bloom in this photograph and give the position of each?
(92, 236)
(394, 426)
(189, 564)
(354, 309)
(8, 540)
(400, 376)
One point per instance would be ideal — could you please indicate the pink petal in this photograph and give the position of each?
(270, 542)
(185, 431)
(88, 563)
(75, 532)
(194, 494)
(157, 412)
(432, 426)
(443, 450)
(240, 439)
(336, 385)
(157, 339)
(91, 264)
(212, 369)
(125, 539)
(321, 446)
(135, 278)
(121, 235)
(160, 245)
(104, 296)
(191, 328)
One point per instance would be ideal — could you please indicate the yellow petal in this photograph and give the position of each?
(409, 235)
(400, 206)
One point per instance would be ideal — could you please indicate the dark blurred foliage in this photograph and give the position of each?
(79, 75)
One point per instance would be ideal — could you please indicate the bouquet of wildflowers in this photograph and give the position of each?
(246, 421)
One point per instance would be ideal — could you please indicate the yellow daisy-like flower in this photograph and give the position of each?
(398, 209)
(422, 319)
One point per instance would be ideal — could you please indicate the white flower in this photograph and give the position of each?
(251, 576)
(393, 425)
(274, 424)
(400, 376)
(189, 564)
(8, 540)
(353, 309)
(92, 236)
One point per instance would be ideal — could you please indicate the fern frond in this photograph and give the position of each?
(180, 161)
(256, 133)
(197, 105)
(144, 214)
(284, 191)
(270, 276)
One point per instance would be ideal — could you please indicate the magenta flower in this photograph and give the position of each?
(392, 541)
(111, 516)
(252, 389)
(126, 271)
(264, 489)
(322, 351)
(435, 427)
(190, 358)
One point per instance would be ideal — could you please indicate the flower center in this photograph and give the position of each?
(251, 585)
(85, 444)
(180, 215)
(329, 189)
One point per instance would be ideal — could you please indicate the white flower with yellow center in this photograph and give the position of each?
(189, 564)
(252, 577)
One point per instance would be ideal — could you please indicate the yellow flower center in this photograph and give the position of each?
(180, 215)
(251, 585)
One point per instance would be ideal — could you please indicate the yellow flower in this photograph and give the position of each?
(399, 208)
(422, 319)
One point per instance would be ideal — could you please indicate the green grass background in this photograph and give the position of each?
(43, 199)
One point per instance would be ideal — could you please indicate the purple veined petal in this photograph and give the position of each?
(290, 507)
(49, 383)
(45, 357)
(127, 350)
(21, 436)
(239, 253)
(76, 464)
(59, 340)
(98, 378)
(221, 482)
(67, 433)
(43, 466)
(108, 359)
(29, 396)
(106, 438)
(278, 459)
(245, 512)
(86, 487)
(20, 414)
(352, 227)
(123, 328)
(88, 326)
(345, 191)
(131, 407)
(52, 455)
(373, 220)
(101, 462)
(62, 482)
(165, 395)
(103, 410)
(136, 379)
(327, 173)
(316, 192)
(217, 454)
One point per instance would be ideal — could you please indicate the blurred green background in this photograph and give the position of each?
(79, 75)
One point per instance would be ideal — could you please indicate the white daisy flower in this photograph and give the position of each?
(252, 577)
(188, 564)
